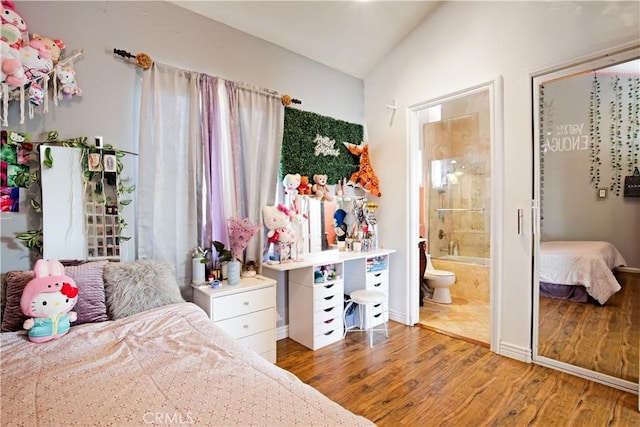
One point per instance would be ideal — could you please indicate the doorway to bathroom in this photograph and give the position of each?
(455, 170)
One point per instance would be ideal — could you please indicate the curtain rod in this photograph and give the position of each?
(144, 61)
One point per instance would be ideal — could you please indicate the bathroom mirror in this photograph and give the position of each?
(584, 144)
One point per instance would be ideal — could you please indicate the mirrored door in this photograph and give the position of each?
(587, 264)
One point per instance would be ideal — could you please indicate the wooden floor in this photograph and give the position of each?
(422, 378)
(602, 338)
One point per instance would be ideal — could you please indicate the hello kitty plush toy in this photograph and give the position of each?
(67, 83)
(48, 299)
(37, 64)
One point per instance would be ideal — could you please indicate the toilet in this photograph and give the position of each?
(439, 281)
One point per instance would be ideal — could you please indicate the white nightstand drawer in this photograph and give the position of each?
(248, 324)
(262, 342)
(241, 303)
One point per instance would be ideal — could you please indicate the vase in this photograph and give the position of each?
(233, 271)
(197, 270)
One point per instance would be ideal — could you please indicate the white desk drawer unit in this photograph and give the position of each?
(371, 273)
(245, 311)
(315, 309)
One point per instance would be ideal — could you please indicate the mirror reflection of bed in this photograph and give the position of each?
(588, 310)
(588, 263)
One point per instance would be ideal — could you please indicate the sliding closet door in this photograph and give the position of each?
(577, 132)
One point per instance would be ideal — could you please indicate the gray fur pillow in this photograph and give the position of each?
(137, 286)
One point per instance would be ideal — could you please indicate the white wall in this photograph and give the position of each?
(170, 35)
(463, 44)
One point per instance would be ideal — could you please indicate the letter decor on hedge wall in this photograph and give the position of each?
(313, 144)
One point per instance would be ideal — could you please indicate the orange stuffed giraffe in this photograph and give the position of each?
(365, 177)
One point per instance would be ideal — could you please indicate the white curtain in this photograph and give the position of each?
(170, 171)
(260, 120)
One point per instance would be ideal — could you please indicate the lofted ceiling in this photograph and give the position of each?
(350, 36)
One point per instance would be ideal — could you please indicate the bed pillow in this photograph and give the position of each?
(91, 306)
(13, 317)
(137, 286)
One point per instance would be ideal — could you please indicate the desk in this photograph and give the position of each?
(314, 308)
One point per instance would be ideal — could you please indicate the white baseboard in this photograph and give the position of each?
(282, 332)
(398, 317)
(522, 354)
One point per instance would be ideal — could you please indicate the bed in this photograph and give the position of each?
(578, 270)
(164, 365)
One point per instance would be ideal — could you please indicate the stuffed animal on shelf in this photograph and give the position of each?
(54, 47)
(320, 188)
(9, 16)
(291, 183)
(365, 177)
(48, 299)
(339, 226)
(304, 188)
(277, 220)
(67, 86)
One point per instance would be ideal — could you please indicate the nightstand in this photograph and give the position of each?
(246, 311)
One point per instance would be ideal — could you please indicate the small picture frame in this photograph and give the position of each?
(109, 161)
(94, 162)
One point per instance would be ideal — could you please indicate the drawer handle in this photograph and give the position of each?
(378, 274)
(328, 309)
(246, 326)
(329, 333)
(377, 284)
(377, 305)
(329, 297)
(377, 315)
(246, 303)
(329, 286)
(329, 321)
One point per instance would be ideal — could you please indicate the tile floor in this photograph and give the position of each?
(463, 318)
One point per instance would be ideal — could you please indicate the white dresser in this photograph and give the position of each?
(246, 311)
(315, 305)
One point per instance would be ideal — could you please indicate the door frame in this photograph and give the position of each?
(414, 130)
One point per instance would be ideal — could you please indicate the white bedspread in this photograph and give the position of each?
(169, 365)
(586, 263)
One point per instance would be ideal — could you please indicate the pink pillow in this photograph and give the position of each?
(91, 306)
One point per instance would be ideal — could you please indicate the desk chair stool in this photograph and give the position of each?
(366, 299)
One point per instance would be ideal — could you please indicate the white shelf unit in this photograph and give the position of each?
(246, 311)
(371, 273)
(103, 232)
(315, 308)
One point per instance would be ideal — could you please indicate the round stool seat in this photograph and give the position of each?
(370, 300)
(363, 296)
